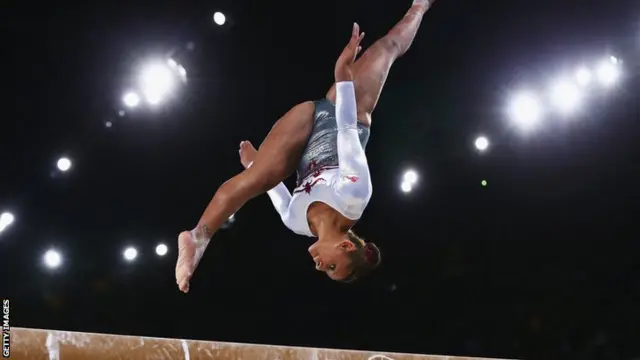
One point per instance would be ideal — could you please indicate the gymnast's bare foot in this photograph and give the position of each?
(186, 260)
(247, 153)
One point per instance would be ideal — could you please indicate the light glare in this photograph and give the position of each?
(182, 71)
(406, 187)
(410, 177)
(64, 164)
(608, 73)
(219, 18)
(525, 110)
(566, 96)
(162, 249)
(583, 76)
(482, 143)
(130, 254)
(157, 81)
(52, 259)
(131, 99)
(6, 219)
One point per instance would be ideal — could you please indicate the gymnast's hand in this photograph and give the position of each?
(344, 65)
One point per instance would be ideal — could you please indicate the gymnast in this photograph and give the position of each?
(325, 144)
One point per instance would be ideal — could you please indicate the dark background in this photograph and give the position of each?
(541, 264)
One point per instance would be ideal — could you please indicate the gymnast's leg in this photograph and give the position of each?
(372, 69)
(276, 159)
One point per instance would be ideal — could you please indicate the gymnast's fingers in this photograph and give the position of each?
(354, 48)
(356, 37)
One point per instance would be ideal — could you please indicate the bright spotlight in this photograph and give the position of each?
(219, 18)
(410, 177)
(182, 71)
(406, 187)
(130, 253)
(131, 99)
(583, 76)
(52, 259)
(614, 60)
(608, 73)
(162, 250)
(6, 219)
(482, 143)
(157, 82)
(566, 96)
(64, 164)
(526, 110)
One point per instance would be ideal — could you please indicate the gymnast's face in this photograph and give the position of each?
(332, 257)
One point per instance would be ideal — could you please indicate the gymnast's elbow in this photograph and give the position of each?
(363, 191)
(285, 221)
(283, 213)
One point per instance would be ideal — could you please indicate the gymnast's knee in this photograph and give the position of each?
(242, 188)
(260, 181)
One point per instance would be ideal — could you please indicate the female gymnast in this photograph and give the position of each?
(325, 144)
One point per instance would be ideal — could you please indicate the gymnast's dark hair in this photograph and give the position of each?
(364, 259)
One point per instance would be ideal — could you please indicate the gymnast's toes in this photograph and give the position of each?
(247, 153)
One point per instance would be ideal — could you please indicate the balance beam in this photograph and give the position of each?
(32, 344)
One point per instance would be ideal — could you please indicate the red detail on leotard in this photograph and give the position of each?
(352, 178)
(309, 185)
(306, 187)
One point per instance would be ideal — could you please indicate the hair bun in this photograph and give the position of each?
(372, 254)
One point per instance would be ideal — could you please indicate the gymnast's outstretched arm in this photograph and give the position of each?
(351, 154)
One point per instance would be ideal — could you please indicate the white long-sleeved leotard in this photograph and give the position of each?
(346, 188)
